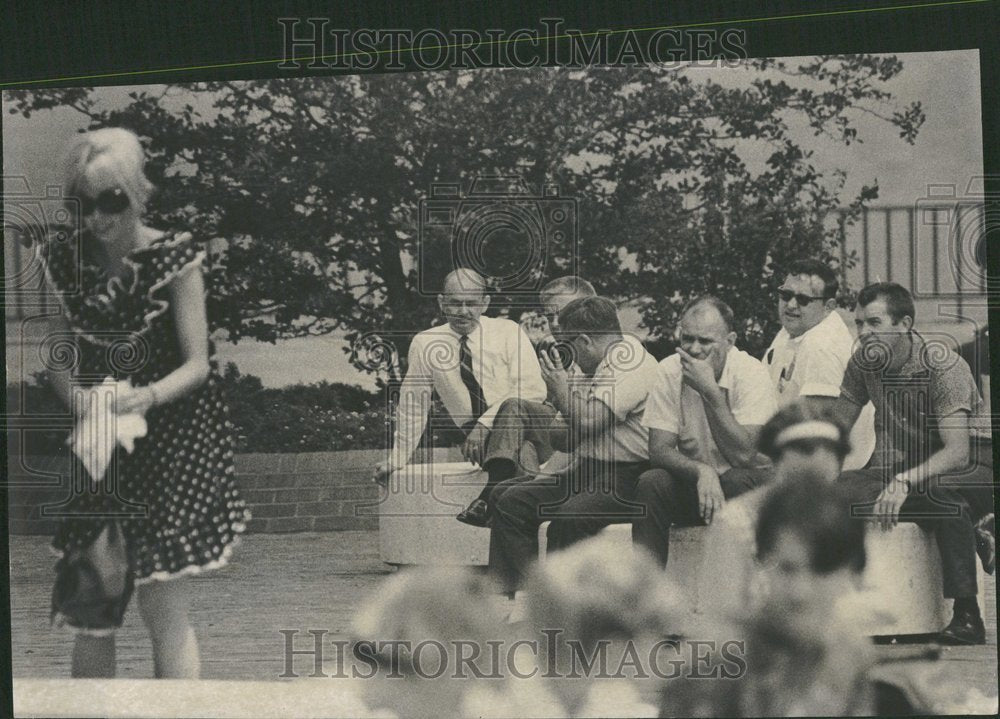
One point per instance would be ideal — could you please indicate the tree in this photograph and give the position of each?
(316, 183)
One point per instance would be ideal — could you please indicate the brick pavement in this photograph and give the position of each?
(312, 581)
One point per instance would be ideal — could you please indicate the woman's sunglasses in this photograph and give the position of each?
(109, 202)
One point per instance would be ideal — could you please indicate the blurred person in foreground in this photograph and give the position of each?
(589, 600)
(805, 655)
(448, 612)
(804, 442)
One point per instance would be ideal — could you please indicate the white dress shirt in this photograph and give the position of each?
(503, 362)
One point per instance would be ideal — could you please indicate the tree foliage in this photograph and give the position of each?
(316, 183)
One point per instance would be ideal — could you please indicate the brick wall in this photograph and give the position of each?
(308, 492)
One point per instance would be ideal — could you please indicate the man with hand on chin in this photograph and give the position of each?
(923, 468)
(603, 408)
(526, 432)
(703, 416)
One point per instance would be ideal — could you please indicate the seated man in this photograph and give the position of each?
(810, 353)
(608, 443)
(526, 431)
(922, 469)
(553, 297)
(475, 363)
(704, 413)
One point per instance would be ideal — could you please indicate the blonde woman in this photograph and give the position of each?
(133, 306)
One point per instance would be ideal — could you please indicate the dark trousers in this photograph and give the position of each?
(670, 500)
(519, 422)
(579, 503)
(949, 506)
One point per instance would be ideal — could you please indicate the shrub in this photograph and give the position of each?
(317, 417)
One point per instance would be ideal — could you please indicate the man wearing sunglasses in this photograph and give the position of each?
(810, 352)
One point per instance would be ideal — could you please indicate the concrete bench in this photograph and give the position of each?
(900, 589)
(417, 511)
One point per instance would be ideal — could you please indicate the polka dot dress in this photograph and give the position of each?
(175, 494)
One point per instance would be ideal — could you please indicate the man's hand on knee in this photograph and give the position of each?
(474, 449)
(710, 496)
(380, 475)
(890, 501)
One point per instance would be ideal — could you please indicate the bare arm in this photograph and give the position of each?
(663, 454)
(736, 442)
(187, 302)
(954, 455)
(60, 380)
(586, 417)
(846, 411)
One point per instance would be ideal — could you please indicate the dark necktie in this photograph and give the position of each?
(469, 379)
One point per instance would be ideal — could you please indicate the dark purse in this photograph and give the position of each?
(94, 584)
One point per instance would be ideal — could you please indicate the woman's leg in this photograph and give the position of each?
(164, 609)
(93, 657)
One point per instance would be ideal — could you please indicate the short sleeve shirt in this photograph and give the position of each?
(933, 383)
(675, 407)
(811, 364)
(622, 382)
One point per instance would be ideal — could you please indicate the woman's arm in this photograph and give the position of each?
(187, 302)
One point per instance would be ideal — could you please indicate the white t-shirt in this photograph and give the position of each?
(813, 365)
(674, 406)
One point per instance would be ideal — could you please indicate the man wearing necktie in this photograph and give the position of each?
(476, 364)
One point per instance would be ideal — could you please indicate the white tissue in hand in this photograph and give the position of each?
(100, 429)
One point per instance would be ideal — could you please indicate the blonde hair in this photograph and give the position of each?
(123, 152)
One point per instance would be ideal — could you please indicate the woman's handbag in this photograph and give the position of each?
(94, 584)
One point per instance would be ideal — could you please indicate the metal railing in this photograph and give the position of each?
(937, 250)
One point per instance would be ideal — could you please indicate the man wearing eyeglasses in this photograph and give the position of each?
(474, 363)
(811, 350)
(553, 297)
(525, 431)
